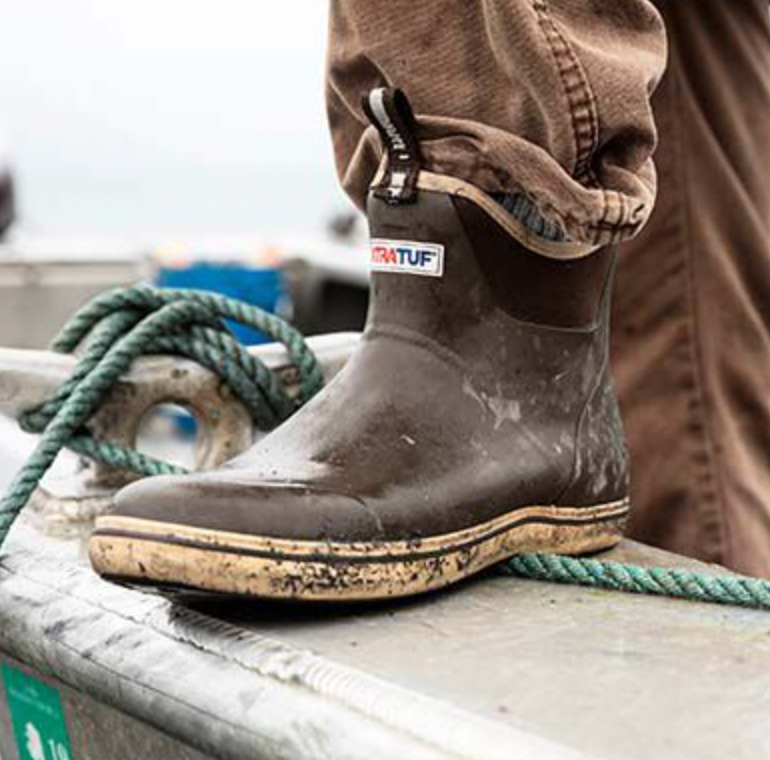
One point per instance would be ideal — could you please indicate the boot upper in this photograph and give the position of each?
(474, 392)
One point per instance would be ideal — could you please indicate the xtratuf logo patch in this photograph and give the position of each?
(408, 257)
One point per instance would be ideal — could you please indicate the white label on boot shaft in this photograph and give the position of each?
(407, 257)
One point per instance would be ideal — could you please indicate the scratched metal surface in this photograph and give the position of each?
(499, 668)
(609, 675)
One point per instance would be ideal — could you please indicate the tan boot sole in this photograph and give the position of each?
(143, 552)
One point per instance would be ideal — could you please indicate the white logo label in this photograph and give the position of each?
(408, 257)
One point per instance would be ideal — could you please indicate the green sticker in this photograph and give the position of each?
(37, 716)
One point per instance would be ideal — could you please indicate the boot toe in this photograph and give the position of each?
(202, 534)
(206, 504)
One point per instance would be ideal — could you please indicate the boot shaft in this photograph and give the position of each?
(529, 334)
(464, 263)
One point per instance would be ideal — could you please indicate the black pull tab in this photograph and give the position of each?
(391, 113)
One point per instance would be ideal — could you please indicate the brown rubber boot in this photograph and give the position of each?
(475, 421)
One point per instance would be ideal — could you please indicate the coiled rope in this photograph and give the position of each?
(116, 328)
(123, 324)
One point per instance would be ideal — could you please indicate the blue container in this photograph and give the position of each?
(260, 286)
(264, 287)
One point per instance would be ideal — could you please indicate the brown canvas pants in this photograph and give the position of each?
(553, 100)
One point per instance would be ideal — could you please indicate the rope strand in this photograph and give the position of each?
(734, 590)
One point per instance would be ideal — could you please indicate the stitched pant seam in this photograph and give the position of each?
(713, 529)
(579, 95)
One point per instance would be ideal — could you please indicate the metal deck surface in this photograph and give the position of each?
(497, 668)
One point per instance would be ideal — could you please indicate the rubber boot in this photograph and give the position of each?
(475, 420)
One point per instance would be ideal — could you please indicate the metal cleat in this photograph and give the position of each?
(67, 503)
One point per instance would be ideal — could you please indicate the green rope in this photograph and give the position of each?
(736, 590)
(117, 327)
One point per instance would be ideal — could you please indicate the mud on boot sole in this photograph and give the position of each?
(146, 553)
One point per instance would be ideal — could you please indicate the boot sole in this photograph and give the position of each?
(140, 552)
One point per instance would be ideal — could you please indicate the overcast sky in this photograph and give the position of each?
(158, 105)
